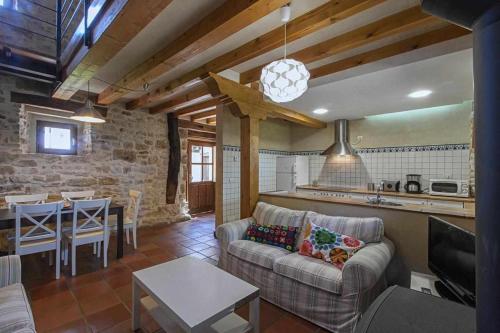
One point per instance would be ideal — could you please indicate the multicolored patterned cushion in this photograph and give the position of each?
(277, 235)
(330, 246)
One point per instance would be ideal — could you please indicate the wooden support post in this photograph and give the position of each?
(249, 183)
(174, 160)
(219, 168)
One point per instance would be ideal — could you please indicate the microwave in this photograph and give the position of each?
(449, 187)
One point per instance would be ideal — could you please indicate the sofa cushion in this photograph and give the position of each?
(15, 311)
(256, 253)
(366, 229)
(267, 214)
(310, 271)
(276, 235)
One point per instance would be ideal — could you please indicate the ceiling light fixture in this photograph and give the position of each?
(286, 79)
(320, 111)
(420, 93)
(88, 113)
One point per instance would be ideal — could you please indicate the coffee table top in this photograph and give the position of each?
(194, 292)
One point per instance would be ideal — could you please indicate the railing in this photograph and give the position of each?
(61, 31)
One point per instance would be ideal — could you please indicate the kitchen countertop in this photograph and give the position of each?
(426, 209)
(395, 194)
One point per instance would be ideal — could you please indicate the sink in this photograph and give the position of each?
(385, 203)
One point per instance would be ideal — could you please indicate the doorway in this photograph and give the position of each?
(201, 180)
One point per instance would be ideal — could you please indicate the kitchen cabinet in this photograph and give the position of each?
(445, 203)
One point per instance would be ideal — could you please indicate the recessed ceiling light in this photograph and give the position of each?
(420, 93)
(320, 111)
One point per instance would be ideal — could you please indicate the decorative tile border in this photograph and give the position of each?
(447, 147)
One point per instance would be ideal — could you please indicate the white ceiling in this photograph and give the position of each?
(448, 76)
(375, 88)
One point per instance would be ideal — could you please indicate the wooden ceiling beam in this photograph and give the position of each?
(197, 108)
(115, 28)
(314, 20)
(426, 39)
(230, 17)
(196, 126)
(403, 21)
(190, 98)
(248, 101)
(201, 136)
(204, 115)
(48, 102)
(212, 121)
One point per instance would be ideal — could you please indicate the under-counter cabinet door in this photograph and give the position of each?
(407, 201)
(446, 203)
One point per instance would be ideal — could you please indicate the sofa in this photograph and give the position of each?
(15, 310)
(308, 287)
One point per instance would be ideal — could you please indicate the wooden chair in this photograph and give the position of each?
(38, 237)
(90, 229)
(82, 195)
(12, 200)
(131, 216)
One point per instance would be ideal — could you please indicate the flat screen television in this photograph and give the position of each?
(452, 258)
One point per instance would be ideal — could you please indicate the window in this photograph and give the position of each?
(56, 138)
(202, 163)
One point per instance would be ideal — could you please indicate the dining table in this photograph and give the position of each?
(8, 221)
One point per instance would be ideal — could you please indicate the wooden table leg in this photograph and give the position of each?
(255, 314)
(136, 305)
(119, 233)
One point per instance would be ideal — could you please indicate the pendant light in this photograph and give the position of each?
(286, 79)
(87, 113)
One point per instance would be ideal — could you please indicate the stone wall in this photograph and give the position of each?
(129, 151)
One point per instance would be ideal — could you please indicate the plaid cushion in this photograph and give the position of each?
(310, 271)
(267, 214)
(15, 312)
(276, 235)
(259, 254)
(366, 229)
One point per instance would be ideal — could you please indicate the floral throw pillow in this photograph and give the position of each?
(276, 235)
(330, 246)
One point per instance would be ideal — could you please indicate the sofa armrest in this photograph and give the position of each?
(231, 231)
(10, 270)
(365, 268)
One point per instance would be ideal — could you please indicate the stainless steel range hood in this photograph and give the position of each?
(341, 146)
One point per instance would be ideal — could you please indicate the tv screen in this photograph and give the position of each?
(452, 258)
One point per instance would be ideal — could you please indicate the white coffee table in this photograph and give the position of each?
(190, 295)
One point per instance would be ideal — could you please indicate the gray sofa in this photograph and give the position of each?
(310, 288)
(15, 310)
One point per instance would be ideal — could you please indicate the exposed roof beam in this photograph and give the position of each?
(204, 115)
(201, 136)
(392, 25)
(47, 102)
(200, 107)
(426, 39)
(196, 126)
(192, 97)
(316, 19)
(246, 100)
(230, 17)
(116, 27)
(212, 121)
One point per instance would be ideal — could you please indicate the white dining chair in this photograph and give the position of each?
(78, 195)
(36, 236)
(82, 195)
(90, 229)
(130, 220)
(12, 200)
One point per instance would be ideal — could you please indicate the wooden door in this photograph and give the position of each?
(201, 180)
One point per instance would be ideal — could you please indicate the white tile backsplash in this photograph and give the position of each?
(369, 166)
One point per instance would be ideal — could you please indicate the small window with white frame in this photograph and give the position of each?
(56, 138)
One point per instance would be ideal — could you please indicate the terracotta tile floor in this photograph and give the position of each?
(99, 300)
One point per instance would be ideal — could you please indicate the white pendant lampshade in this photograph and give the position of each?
(284, 80)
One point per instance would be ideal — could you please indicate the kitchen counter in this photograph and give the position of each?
(425, 209)
(385, 193)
